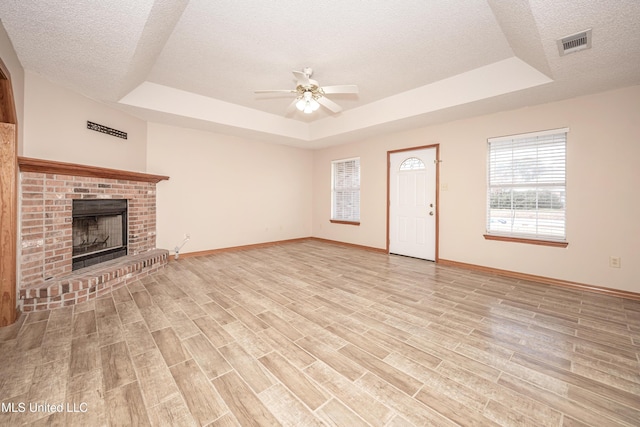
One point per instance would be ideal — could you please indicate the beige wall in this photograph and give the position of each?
(227, 191)
(56, 129)
(603, 180)
(11, 61)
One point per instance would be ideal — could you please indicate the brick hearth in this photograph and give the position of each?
(88, 283)
(45, 268)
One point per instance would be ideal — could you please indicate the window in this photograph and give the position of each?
(412, 163)
(526, 187)
(345, 197)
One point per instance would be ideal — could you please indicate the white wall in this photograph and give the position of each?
(227, 191)
(10, 60)
(603, 180)
(56, 129)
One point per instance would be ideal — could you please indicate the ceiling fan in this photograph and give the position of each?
(310, 95)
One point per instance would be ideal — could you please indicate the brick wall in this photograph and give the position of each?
(46, 203)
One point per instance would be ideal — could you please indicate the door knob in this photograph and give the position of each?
(431, 213)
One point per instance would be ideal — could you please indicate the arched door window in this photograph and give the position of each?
(411, 164)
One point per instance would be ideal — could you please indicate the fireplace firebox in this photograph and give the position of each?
(99, 230)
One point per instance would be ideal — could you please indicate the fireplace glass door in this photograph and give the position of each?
(99, 231)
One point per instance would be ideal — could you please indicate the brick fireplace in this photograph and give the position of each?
(48, 189)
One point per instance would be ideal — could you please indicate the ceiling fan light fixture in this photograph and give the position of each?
(311, 106)
(301, 104)
(307, 104)
(310, 95)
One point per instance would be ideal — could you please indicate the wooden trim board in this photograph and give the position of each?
(275, 243)
(8, 199)
(8, 224)
(28, 164)
(542, 279)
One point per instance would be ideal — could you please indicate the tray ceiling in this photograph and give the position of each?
(196, 63)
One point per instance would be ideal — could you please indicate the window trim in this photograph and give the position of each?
(540, 242)
(332, 219)
(523, 237)
(341, 221)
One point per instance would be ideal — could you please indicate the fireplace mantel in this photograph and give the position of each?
(28, 164)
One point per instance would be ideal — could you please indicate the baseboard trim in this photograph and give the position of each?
(238, 248)
(350, 245)
(542, 279)
(274, 243)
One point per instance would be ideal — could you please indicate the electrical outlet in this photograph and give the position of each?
(187, 236)
(614, 262)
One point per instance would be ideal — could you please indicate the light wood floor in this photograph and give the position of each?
(310, 333)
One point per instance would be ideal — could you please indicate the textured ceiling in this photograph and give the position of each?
(197, 62)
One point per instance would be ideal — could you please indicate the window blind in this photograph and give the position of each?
(345, 205)
(526, 194)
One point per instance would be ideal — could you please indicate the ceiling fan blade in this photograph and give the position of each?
(329, 104)
(301, 77)
(275, 91)
(340, 89)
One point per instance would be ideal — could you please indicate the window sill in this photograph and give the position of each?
(337, 221)
(552, 243)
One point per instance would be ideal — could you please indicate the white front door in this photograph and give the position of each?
(412, 204)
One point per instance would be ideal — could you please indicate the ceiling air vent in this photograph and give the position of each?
(575, 42)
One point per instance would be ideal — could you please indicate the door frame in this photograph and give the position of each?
(437, 184)
(8, 199)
